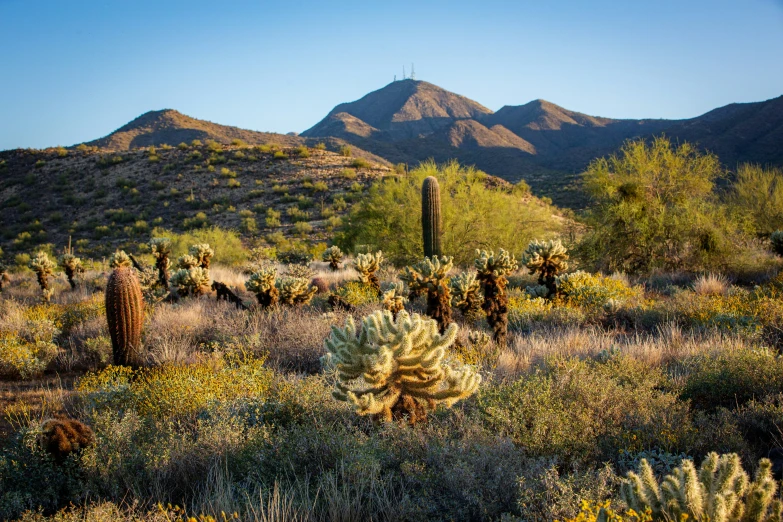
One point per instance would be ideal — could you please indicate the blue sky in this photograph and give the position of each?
(76, 71)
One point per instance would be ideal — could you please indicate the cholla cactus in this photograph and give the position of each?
(395, 368)
(367, 265)
(295, 291)
(718, 491)
(393, 298)
(548, 259)
(492, 272)
(120, 258)
(203, 254)
(72, 266)
(537, 291)
(334, 256)
(191, 281)
(776, 239)
(262, 283)
(466, 294)
(299, 271)
(161, 250)
(187, 262)
(44, 269)
(3, 276)
(431, 276)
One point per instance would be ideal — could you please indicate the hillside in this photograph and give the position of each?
(170, 127)
(109, 200)
(540, 142)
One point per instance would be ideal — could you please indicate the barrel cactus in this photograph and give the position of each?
(295, 291)
(367, 265)
(492, 271)
(192, 281)
(395, 368)
(161, 250)
(466, 294)
(125, 316)
(431, 276)
(262, 284)
(203, 254)
(44, 269)
(430, 217)
(548, 259)
(334, 256)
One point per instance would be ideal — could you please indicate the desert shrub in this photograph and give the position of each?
(757, 196)
(583, 411)
(593, 290)
(226, 243)
(360, 163)
(474, 216)
(24, 359)
(172, 391)
(731, 379)
(357, 293)
(345, 150)
(654, 206)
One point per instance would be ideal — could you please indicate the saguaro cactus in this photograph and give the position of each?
(492, 272)
(161, 249)
(430, 217)
(125, 316)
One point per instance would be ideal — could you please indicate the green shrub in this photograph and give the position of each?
(593, 290)
(474, 216)
(345, 150)
(226, 244)
(360, 163)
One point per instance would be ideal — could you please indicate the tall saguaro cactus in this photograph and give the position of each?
(430, 216)
(125, 315)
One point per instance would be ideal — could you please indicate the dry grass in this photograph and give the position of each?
(711, 284)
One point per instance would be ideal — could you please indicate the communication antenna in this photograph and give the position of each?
(403, 72)
(395, 77)
(413, 72)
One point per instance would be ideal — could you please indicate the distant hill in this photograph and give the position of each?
(170, 127)
(540, 142)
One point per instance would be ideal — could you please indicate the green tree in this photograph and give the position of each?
(475, 216)
(757, 199)
(654, 206)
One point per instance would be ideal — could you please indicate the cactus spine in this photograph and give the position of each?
(161, 249)
(492, 272)
(431, 276)
(430, 216)
(125, 316)
(44, 269)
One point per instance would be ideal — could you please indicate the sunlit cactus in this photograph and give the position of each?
(125, 316)
(393, 298)
(119, 258)
(161, 250)
(367, 265)
(4, 278)
(719, 491)
(466, 294)
(395, 369)
(72, 266)
(548, 259)
(44, 269)
(203, 254)
(430, 217)
(492, 271)
(334, 256)
(431, 276)
(262, 284)
(187, 262)
(192, 281)
(295, 291)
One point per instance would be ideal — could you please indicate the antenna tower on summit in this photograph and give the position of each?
(403, 72)
(413, 72)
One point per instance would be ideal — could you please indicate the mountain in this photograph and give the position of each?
(540, 142)
(170, 127)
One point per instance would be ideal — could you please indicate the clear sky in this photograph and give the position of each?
(72, 71)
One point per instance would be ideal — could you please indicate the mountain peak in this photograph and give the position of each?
(405, 109)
